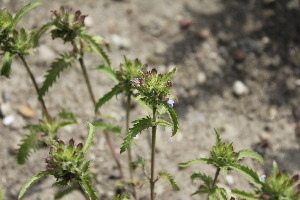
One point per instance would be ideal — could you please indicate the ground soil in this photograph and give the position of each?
(213, 44)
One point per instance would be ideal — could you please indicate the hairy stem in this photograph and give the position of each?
(216, 177)
(152, 181)
(129, 148)
(92, 96)
(41, 100)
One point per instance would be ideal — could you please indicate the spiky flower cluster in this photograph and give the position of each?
(280, 185)
(223, 155)
(127, 72)
(154, 88)
(64, 161)
(11, 40)
(68, 24)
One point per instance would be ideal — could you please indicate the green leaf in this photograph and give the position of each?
(169, 179)
(87, 188)
(243, 195)
(138, 126)
(107, 71)
(31, 181)
(139, 163)
(221, 192)
(96, 48)
(65, 192)
(67, 115)
(143, 104)
(89, 138)
(251, 154)
(173, 118)
(163, 122)
(53, 73)
(85, 167)
(22, 12)
(114, 91)
(6, 64)
(38, 34)
(248, 173)
(111, 128)
(218, 139)
(168, 75)
(275, 170)
(122, 197)
(29, 143)
(196, 161)
(203, 177)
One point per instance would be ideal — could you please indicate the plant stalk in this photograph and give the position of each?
(134, 194)
(216, 177)
(41, 100)
(152, 181)
(92, 96)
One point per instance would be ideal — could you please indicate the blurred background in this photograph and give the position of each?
(238, 70)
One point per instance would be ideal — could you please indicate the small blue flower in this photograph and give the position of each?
(171, 103)
(262, 178)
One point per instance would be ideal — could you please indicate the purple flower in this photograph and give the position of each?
(171, 103)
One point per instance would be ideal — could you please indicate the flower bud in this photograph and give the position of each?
(71, 143)
(79, 147)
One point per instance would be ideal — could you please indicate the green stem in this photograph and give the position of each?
(41, 100)
(152, 181)
(216, 177)
(92, 96)
(129, 148)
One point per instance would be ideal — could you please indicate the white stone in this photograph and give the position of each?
(5, 109)
(229, 179)
(120, 42)
(8, 120)
(239, 88)
(88, 21)
(201, 78)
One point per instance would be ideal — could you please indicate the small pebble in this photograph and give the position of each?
(238, 55)
(229, 179)
(5, 109)
(201, 78)
(26, 111)
(88, 21)
(203, 34)
(185, 23)
(8, 120)
(120, 41)
(265, 136)
(239, 88)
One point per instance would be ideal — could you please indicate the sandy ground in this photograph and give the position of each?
(213, 44)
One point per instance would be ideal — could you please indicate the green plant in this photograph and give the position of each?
(224, 158)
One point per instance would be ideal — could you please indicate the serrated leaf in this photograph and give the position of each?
(111, 128)
(6, 64)
(196, 161)
(28, 144)
(163, 122)
(168, 75)
(251, 154)
(31, 181)
(107, 71)
(243, 195)
(114, 91)
(65, 192)
(248, 173)
(96, 48)
(87, 188)
(169, 179)
(85, 167)
(23, 11)
(221, 192)
(203, 177)
(138, 126)
(173, 118)
(38, 34)
(53, 73)
(218, 138)
(89, 139)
